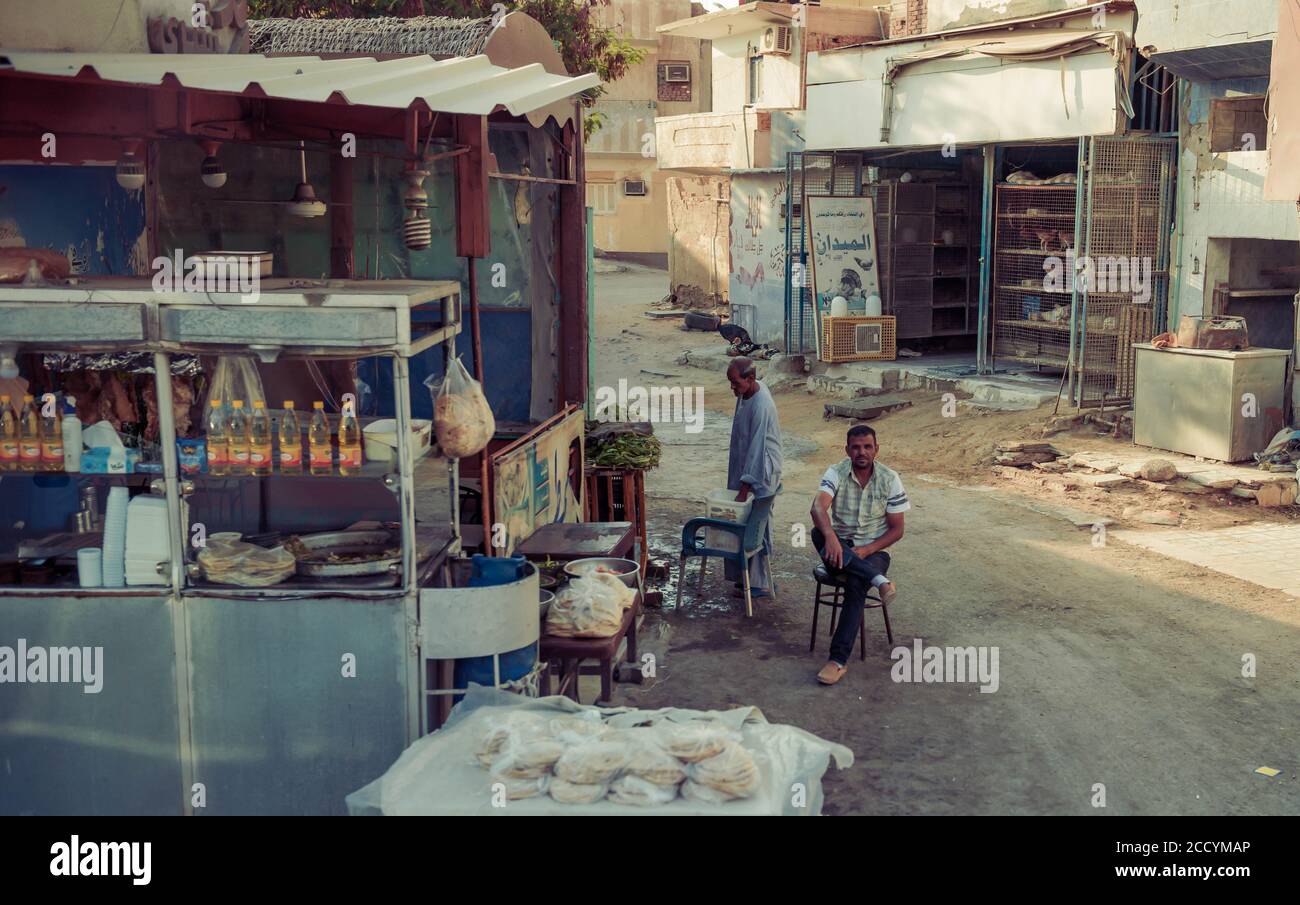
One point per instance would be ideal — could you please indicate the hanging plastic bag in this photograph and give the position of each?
(462, 419)
(235, 377)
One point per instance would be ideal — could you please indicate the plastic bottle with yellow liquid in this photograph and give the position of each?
(217, 440)
(8, 435)
(29, 436)
(51, 435)
(290, 441)
(259, 440)
(237, 438)
(318, 441)
(349, 442)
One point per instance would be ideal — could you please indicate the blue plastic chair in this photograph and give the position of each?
(747, 532)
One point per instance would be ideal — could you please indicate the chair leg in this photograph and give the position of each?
(704, 566)
(817, 608)
(681, 578)
(889, 633)
(838, 599)
(744, 578)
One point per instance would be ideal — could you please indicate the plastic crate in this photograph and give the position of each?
(840, 338)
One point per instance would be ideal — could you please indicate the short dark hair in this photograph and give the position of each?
(860, 430)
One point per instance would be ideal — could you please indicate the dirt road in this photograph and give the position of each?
(1117, 668)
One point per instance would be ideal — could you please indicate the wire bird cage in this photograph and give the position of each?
(1081, 270)
(1126, 294)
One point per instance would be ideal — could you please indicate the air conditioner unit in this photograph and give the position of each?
(634, 187)
(677, 72)
(776, 40)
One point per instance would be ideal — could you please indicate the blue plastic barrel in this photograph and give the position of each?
(486, 572)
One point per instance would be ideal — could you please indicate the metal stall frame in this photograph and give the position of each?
(179, 593)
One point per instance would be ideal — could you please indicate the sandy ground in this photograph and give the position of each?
(1116, 666)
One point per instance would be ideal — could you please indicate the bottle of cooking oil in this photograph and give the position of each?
(318, 441)
(349, 442)
(51, 435)
(259, 440)
(290, 441)
(8, 435)
(237, 438)
(29, 436)
(217, 440)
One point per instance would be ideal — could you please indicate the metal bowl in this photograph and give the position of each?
(627, 570)
(547, 598)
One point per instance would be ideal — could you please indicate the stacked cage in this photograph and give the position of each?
(1032, 274)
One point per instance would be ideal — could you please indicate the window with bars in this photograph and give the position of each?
(1238, 124)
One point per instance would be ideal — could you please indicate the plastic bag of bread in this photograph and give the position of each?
(528, 759)
(506, 731)
(694, 791)
(592, 762)
(588, 607)
(732, 772)
(566, 792)
(696, 741)
(462, 419)
(651, 762)
(516, 789)
(579, 728)
(640, 792)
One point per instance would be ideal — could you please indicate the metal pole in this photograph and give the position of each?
(983, 364)
(406, 516)
(485, 476)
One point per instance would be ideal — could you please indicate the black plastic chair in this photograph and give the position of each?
(834, 598)
(747, 532)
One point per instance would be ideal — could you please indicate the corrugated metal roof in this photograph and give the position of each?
(459, 85)
(437, 35)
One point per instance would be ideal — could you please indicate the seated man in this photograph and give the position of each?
(857, 513)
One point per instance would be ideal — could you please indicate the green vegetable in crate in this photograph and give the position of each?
(625, 451)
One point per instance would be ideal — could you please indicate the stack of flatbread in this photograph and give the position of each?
(589, 607)
(579, 759)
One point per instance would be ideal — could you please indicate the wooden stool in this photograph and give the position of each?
(830, 593)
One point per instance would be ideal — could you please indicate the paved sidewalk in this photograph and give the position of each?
(1266, 555)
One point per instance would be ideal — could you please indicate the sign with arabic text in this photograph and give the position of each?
(843, 243)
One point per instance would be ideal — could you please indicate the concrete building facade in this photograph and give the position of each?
(759, 60)
(626, 190)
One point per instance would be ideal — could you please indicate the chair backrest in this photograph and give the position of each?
(757, 515)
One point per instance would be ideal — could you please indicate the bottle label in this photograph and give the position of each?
(216, 454)
(52, 451)
(349, 457)
(30, 450)
(260, 456)
(321, 458)
(290, 458)
(9, 450)
(239, 456)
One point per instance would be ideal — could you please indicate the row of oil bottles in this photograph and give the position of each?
(240, 444)
(33, 439)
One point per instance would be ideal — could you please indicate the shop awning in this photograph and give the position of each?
(1025, 47)
(470, 85)
(1029, 85)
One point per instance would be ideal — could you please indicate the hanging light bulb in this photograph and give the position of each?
(130, 168)
(211, 171)
(415, 195)
(304, 203)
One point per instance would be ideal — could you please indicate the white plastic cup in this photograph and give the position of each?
(90, 567)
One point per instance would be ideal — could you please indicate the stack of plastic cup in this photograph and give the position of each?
(115, 538)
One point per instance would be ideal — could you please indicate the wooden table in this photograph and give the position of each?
(564, 541)
(571, 652)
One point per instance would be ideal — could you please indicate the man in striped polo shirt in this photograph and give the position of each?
(857, 513)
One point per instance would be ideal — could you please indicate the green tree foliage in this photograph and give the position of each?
(583, 43)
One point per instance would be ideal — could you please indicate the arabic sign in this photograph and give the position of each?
(843, 244)
(539, 481)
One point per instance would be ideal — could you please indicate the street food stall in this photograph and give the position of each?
(256, 638)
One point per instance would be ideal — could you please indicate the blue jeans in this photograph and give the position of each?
(858, 573)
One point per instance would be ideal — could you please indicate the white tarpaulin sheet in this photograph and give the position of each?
(439, 775)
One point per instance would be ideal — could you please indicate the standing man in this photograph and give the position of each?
(857, 513)
(755, 462)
